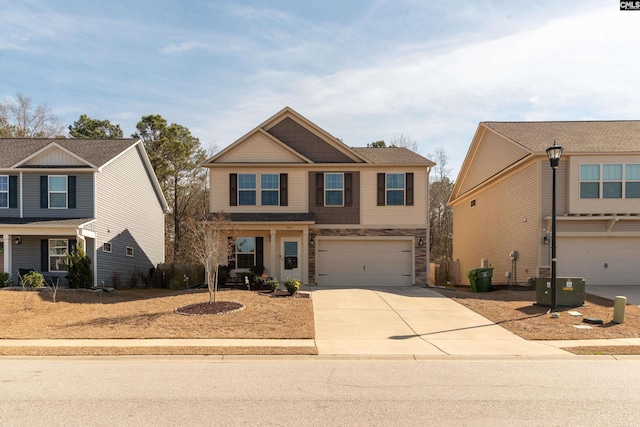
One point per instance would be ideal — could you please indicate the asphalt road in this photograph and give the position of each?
(299, 392)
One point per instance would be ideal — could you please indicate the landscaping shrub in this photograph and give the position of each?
(33, 279)
(292, 285)
(273, 284)
(79, 274)
(5, 279)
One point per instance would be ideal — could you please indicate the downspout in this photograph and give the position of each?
(428, 222)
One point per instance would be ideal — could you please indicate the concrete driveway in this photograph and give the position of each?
(408, 321)
(632, 292)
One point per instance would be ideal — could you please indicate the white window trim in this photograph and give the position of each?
(65, 192)
(6, 176)
(57, 256)
(104, 247)
(333, 189)
(254, 189)
(245, 253)
(601, 181)
(127, 250)
(403, 189)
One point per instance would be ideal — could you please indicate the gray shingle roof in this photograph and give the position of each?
(272, 217)
(392, 155)
(45, 222)
(95, 151)
(576, 137)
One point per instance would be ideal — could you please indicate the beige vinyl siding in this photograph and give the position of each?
(55, 157)
(259, 148)
(504, 219)
(392, 216)
(493, 155)
(129, 213)
(598, 206)
(297, 189)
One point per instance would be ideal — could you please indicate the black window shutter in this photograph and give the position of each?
(284, 189)
(409, 188)
(319, 189)
(44, 255)
(72, 246)
(381, 190)
(44, 192)
(231, 257)
(71, 188)
(348, 179)
(13, 191)
(233, 189)
(260, 251)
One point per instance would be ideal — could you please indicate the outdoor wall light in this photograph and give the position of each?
(312, 241)
(17, 240)
(545, 240)
(420, 242)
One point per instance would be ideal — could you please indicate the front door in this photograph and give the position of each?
(290, 264)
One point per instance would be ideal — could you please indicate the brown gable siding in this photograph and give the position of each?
(348, 214)
(307, 143)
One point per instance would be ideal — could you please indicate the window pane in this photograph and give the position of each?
(58, 263)
(589, 172)
(4, 183)
(58, 200)
(395, 180)
(270, 198)
(245, 261)
(245, 244)
(632, 190)
(612, 190)
(632, 172)
(612, 172)
(333, 180)
(589, 190)
(247, 197)
(333, 198)
(247, 181)
(269, 181)
(4, 200)
(395, 198)
(58, 183)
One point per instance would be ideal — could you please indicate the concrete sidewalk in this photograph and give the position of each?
(409, 321)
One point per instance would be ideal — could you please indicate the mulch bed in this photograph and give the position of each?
(210, 308)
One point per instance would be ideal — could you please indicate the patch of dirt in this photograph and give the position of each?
(209, 308)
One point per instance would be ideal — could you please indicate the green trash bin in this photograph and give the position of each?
(473, 276)
(483, 279)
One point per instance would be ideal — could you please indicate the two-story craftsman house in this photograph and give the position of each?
(307, 206)
(57, 192)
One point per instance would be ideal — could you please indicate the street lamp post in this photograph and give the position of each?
(554, 153)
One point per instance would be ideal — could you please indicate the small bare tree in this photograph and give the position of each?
(211, 244)
(404, 141)
(19, 119)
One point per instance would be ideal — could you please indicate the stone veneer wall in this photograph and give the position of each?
(420, 252)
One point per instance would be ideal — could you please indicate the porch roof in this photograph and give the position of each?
(273, 217)
(45, 222)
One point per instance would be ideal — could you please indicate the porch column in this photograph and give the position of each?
(7, 253)
(274, 254)
(305, 256)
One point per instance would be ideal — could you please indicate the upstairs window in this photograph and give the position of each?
(395, 189)
(589, 181)
(333, 189)
(246, 189)
(58, 192)
(632, 181)
(612, 181)
(4, 191)
(269, 185)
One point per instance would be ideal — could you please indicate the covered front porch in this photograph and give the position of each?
(42, 244)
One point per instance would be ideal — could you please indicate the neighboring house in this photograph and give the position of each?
(55, 193)
(502, 201)
(305, 205)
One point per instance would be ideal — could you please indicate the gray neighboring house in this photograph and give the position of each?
(55, 193)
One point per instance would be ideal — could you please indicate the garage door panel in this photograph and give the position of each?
(364, 263)
(600, 260)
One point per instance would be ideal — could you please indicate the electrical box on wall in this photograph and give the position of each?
(514, 255)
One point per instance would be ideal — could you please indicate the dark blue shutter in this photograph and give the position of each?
(71, 183)
(260, 251)
(233, 189)
(13, 191)
(284, 189)
(44, 192)
(409, 188)
(319, 189)
(348, 189)
(381, 189)
(44, 255)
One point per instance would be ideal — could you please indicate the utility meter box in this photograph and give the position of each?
(569, 291)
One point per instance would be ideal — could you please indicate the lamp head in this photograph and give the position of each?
(554, 153)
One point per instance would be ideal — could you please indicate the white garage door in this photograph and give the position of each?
(600, 260)
(364, 263)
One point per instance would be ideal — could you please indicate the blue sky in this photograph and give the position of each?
(361, 70)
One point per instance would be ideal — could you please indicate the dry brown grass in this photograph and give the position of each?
(515, 311)
(148, 313)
